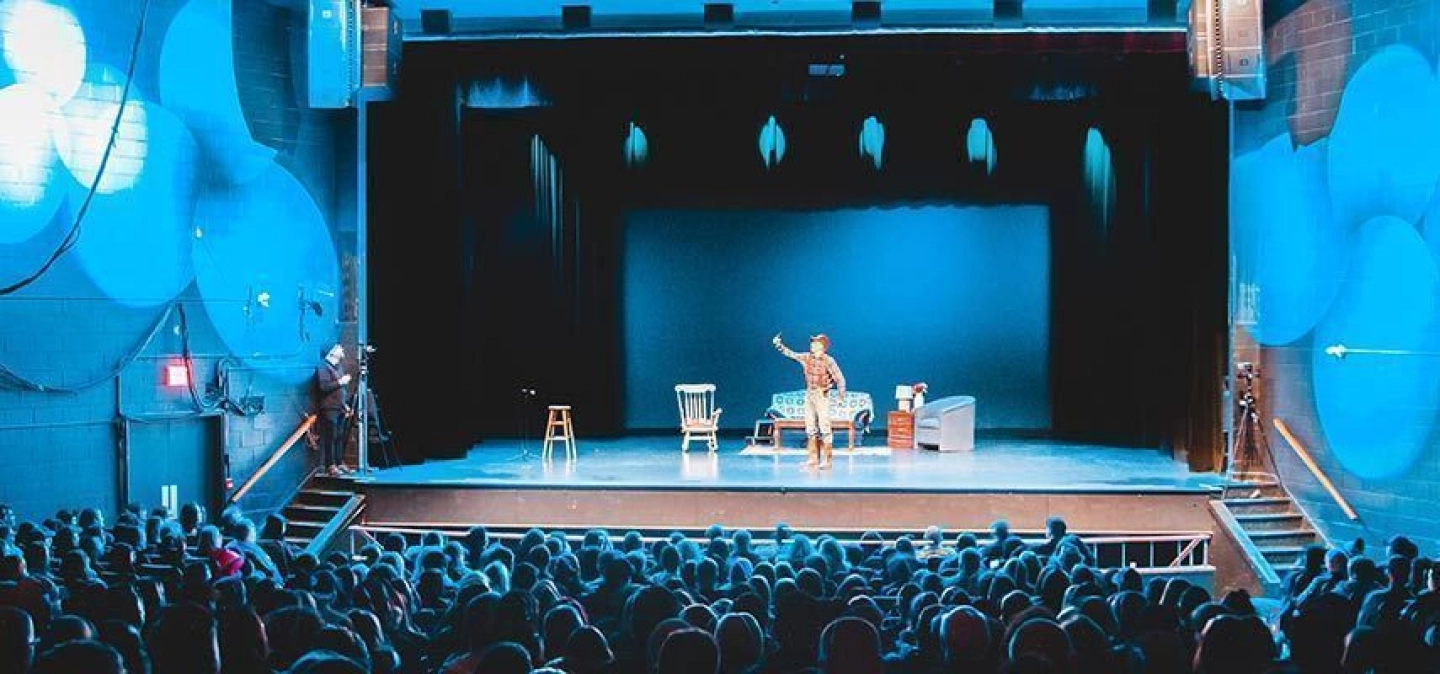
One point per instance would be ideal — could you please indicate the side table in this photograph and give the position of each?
(900, 430)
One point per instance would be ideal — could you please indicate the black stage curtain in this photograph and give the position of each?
(495, 232)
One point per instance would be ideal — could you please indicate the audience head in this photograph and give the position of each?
(75, 657)
(851, 646)
(17, 639)
(687, 651)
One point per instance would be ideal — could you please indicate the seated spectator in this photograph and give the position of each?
(73, 657)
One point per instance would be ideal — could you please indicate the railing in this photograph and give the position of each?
(1264, 570)
(1167, 552)
(1309, 462)
(342, 522)
(279, 453)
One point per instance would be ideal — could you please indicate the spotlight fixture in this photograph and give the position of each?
(575, 17)
(435, 21)
(865, 13)
(719, 14)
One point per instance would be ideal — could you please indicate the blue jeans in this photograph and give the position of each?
(817, 415)
(332, 437)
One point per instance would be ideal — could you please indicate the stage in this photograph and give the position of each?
(998, 464)
(646, 484)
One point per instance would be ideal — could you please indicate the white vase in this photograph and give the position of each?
(919, 400)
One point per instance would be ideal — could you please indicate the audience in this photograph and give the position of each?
(153, 594)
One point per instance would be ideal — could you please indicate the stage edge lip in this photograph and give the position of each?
(370, 485)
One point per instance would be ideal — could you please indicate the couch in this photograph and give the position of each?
(855, 413)
(946, 425)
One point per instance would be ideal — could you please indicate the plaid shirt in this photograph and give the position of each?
(821, 372)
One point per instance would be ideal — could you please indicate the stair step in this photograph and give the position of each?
(1282, 557)
(318, 510)
(327, 482)
(1266, 504)
(327, 492)
(1255, 489)
(320, 497)
(1280, 533)
(1282, 537)
(308, 526)
(1258, 522)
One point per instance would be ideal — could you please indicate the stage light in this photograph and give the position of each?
(980, 144)
(1099, 179)
(29, 192)
(772, 143)
(177, 375)
(1338, 351)
(263, 299)
(872, 142)
(637, 146)
(90, 119)
(500, 94)
(44, 46)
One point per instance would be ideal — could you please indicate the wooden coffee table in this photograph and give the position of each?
(799, 425)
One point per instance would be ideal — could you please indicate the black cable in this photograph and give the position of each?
(73, 236)
(201, 404)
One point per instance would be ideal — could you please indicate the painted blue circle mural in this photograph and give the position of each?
(1430, 225)
(1385, 146)
(197, 82)
(1288, 245)
(135, 244)
(1377, 410)
(264, 263)
(31, 185)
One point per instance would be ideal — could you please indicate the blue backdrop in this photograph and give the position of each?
(957, 297)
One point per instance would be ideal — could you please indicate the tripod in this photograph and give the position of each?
(1249, 455)
(368, 416)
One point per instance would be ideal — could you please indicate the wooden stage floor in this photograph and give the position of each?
(998, 464)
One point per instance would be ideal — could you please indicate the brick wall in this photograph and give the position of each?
(63, 449)
(1314, 50)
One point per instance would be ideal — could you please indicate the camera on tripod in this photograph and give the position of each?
(362, 357)
(1246, 371)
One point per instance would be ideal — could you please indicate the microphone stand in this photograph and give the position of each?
(525, 401)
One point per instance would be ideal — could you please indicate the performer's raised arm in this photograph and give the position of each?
(784, 350)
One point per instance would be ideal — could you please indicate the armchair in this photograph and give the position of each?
(946, 425)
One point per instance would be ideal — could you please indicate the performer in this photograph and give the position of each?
(821, 373)
(334, 408)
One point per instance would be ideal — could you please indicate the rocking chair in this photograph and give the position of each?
(699, 417)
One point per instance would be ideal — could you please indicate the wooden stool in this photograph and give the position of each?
(559, 417)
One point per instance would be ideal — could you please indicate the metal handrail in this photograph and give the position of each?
(337, 525)
(1023, 534)
(1309, 462)
(1192, 557)
(274, 459)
